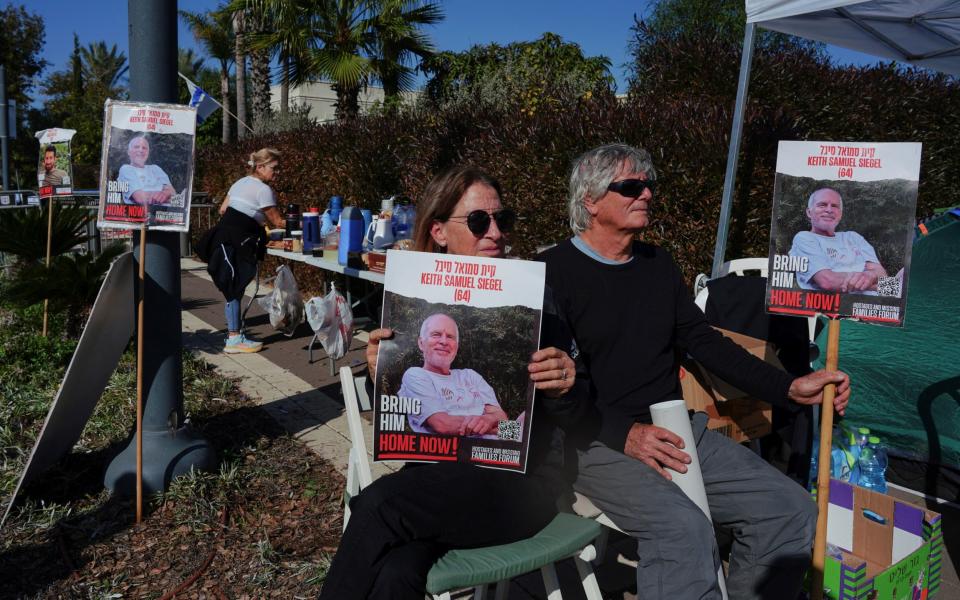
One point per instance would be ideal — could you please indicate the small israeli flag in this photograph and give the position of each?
(204, 103)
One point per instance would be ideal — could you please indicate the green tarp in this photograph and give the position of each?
(906, 382)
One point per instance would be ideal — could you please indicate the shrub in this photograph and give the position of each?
(680, 109)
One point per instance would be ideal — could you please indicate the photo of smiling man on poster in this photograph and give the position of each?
(452, 401)
(145, 183)
(838, 261)
(842, 229)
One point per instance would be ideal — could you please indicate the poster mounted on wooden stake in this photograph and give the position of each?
(842, 229)
(146, 170)
(55, 165)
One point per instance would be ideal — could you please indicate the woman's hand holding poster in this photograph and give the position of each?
(452, 383)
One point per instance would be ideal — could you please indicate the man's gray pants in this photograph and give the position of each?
(772, 520)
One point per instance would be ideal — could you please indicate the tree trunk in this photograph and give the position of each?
(225, 101)
(260, 69)
(241, 66)
(285, 88)
(348, 103)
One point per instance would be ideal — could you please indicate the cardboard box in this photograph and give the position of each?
(376, 261)
(722, 390)
(732, 413)
(740, 419)
(880, 548)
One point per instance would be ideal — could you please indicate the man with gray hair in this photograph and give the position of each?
(452, 401)
(142, 183)
(631, 315)
(837, 261)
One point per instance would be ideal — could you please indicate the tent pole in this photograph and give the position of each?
(734, 151)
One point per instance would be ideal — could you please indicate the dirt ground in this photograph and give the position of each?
(266, 525)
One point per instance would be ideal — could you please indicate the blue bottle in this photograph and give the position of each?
(334, 208)
(351, 233)
(311, 231)
(873, 466)
(367, 220)
(327, 225)
(403, 217)
(853, 457)
(814, 469)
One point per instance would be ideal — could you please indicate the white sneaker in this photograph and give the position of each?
(239, 344)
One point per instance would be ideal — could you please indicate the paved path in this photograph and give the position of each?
(302, 397)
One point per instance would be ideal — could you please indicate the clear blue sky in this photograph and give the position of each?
(598, 26)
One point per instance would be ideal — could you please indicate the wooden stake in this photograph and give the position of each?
(46, 301)
(143, 253)
(823, 461)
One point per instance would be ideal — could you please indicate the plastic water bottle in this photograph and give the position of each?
(873, 466)
(814, 468)
(853, 457)
(839, 467)
(863, 435)
(327, 224)
(334, 208)
(403, 217)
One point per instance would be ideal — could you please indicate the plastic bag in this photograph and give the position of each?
(332, 319)
(284, 304)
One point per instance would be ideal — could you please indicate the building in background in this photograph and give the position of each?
(321, 98)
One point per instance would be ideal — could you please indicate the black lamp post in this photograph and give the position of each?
(169, 448)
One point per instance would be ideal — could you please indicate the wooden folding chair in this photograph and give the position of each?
(567, 536)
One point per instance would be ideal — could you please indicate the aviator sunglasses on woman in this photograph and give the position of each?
(478, 221)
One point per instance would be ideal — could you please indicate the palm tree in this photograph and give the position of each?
(214, 31)
(366, 39)
(348, 42)
(190, 64)
(257, 21)
(240, 58)
(108, 67)
(290, 38)
(23, 233)
(71, 283)
(398, 39)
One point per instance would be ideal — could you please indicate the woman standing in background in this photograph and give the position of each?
(239, 240)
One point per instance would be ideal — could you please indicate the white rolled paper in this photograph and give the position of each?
(673, 416)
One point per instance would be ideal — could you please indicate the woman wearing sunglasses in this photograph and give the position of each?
(402, 523)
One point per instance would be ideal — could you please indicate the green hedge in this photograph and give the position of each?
(680, 109)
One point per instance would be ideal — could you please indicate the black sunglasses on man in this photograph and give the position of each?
(632, 188)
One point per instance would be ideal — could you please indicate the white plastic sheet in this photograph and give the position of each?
(284, 304)
(332, 319)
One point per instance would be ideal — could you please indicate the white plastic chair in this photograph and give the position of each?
(359, 476)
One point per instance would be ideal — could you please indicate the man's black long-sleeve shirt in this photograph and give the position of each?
(628, 321)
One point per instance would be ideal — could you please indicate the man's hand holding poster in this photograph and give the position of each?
(146, 172)
(452, 383)
(842, 229)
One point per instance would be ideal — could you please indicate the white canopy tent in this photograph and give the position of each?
(925, 33)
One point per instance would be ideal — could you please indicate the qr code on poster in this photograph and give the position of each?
(889, 286)
(512, 431)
